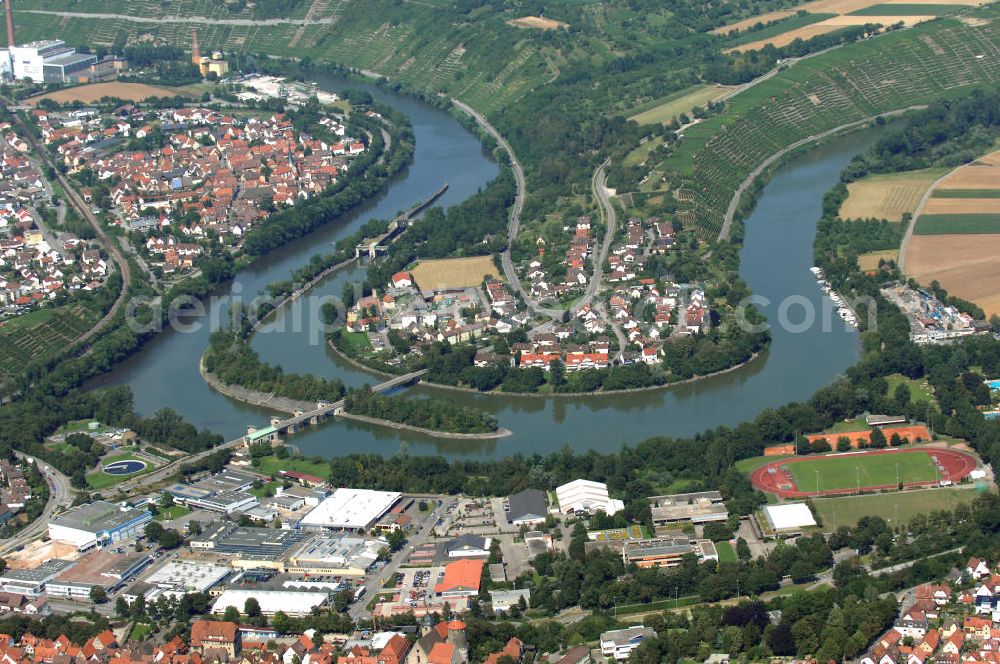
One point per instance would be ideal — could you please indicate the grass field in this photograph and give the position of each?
(726, 552)
(171, 513)
(357, 341)
(948, 224)
(871, 260)
(680, 102)
(270, 465)
(843, 472)
(102, 480)
(888, 196)
(139, 630)
(88, 94)
(747, 466)
(920, 390)
(847, 510)
(447, 273)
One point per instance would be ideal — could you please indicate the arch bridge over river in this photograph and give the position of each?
(776, 257)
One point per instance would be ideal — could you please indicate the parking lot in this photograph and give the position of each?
(414, 591)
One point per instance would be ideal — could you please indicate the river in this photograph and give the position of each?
(776, 255)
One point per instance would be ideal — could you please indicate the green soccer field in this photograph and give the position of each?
(847, 510)
(845, 472)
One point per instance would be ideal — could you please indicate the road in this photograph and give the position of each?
(359, 610)
(193, 20)
(599, 185)
(74, 199)
(734, 202)
(60, 495)
(905, 244)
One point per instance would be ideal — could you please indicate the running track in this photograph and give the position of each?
(956, 465)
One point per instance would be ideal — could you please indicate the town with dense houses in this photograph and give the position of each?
(37, 263)
(188, 178)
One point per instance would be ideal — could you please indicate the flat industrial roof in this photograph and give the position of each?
(790, 515)
(97, 516)
(351, 508)
(68, 59)
(271, 601)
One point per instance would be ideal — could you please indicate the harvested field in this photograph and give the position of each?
(847, 13)
(537, 22)
(447, 273)
(936, 205)
(887, 196)
(682, 102)
(88, 94)
(965, 265)
(804, 33)
(984, 173)
(752, 21)
(869, 261)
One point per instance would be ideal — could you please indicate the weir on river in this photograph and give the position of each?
(776, 256)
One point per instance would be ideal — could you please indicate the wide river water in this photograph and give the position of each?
(776, 257)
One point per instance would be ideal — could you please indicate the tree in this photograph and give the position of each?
(232, 614)
(98, 595)
(843, 444)
(878, 439)
(743, 550)
(194, 527)
(251, 607)
(121, 607)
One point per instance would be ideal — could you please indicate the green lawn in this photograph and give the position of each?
(857, 424)
(102, 480)
(842, 472)
(270, 465)
(139, 630)
(945, 224)
(658, 606)
(726, 552)
(356, 342)
(903, 9)
(966, 193)
(920, 390)
(847, 510)
(673, 105)
(171, 513)
(747, 466)
(265, 489)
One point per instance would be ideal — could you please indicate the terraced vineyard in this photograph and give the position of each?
(38, 334)
(902, 69)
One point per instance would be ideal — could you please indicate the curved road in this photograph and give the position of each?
(59, 496)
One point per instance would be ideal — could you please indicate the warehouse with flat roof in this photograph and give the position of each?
(351, 509)
(99, 524)
(289, 602)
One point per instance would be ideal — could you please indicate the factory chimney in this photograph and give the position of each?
(10, 23)
(195, 48)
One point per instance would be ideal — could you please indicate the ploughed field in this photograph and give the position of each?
(956, 238)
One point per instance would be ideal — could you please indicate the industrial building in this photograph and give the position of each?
(49, 61)
(619, 643)
(290, 602)
(99, 524)
(251, 544)
(468, 546)
(226, 492)
(181, 577)
(31, 582)
(461, 579)
(351, 509)
(340, 556)
(503, 601)
(97, 568)
(584, 496)
(527, 507)
(702, 507)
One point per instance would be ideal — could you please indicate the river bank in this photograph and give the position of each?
(488, 435)
(254, 397)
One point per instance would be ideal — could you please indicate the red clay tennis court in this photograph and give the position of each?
(776, 478)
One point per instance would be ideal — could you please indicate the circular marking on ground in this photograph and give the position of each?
(125, 467)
